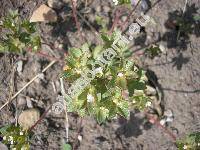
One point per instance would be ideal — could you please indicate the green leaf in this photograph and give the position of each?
(24, 37)
(196, 18)
(153, 51)
(75, 52)
(3, 129)
(29, 26)
(102, 114)
(66, 147)
(97, 51)
(2, 49)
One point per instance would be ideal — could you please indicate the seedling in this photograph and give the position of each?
(15, 137)
(18, 34)
(153, 51)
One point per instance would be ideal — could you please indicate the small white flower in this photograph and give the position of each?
(78, 71)
(185, 147)
(120, 74)
(98, 70)
(11, 142)
(60, 46)
(115, 2)
(134, 101)
(90, 98)
(4, 138)
(148, 104)
(1, 22)
(15, 148)
(10, 138)
(20, 133)
(198, 144)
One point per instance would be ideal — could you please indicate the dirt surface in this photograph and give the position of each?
(177, 71)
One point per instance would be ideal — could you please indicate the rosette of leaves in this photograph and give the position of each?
(116, 88)
(190, 142)
(18, 35)
(15, 137)
(153, 51)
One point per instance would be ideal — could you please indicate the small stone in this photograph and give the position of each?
(21, 101)
(150, 90)
(57, 4)
(162, 122)
(168, 113)
(29, 102)
(80, 138)
(162, 48)
(28, 118)
(124, 18)
(44, 14)
(144, 5)
(106, 9)
(19, 67)
(98, 9)
(3, 147)
(169, 119)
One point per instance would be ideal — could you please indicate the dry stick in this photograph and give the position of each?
(116, 20)
(41, 118)
(126, 21)
(91, 27)
(74, 11)
(65, 108)
(50, 64)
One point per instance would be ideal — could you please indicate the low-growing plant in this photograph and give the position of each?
(18, 34)
(190, 142)
(115, 89)
(15, 137)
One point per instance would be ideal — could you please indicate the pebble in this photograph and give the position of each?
(28, 118)
(80, 138)
(3, 147)
(162, 122)
(168, 113)
(21, 101)
(29, 102)
(19, 66)
(124, 18)
(57, 4)
(162, 48)
(44, 14)
(98, 9)
(106, 9)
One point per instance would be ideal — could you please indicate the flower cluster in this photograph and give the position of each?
(16, 137)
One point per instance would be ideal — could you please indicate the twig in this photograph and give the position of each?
(41, 118)
(50, 64)
(89, 25)
(74, 11)
(126, 21)
(65, 108)
(186, 1)
(116, 20)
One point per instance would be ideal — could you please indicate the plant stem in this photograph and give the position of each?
(126, 21)
(41, 118)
